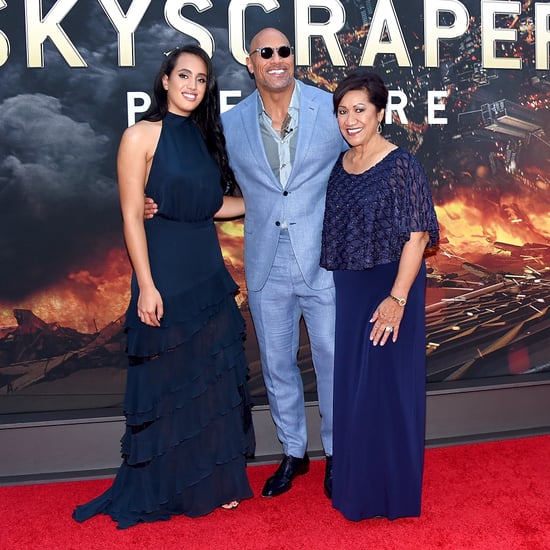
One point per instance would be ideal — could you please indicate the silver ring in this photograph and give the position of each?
(389, 329)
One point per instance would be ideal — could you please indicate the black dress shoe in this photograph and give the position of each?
(328, 477)
(281, 481)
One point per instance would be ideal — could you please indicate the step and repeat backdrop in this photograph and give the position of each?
(469, 96)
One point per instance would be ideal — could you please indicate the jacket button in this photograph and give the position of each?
(277, 224)
(285, 193)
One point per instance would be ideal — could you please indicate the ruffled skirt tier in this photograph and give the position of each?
(187, 407)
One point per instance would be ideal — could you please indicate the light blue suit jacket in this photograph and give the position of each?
(302, 202)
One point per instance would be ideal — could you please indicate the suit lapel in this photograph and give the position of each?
(306, 123)
(251, 132)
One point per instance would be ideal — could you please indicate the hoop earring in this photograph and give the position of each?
(379, 128)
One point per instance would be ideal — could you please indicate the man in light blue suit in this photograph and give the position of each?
(282, 142)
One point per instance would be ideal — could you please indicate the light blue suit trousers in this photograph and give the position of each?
(276, 310)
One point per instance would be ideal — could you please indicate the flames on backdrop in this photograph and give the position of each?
(487, 293)
(89, 299)
(472, 220)
(488, 298)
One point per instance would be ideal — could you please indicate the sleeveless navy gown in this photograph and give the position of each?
(188, 427)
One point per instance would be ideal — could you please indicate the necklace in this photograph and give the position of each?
(285, 127)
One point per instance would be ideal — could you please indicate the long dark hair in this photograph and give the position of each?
(206, 116)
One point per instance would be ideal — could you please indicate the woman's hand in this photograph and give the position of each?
(386, 321)
(150, 307)
(389, 313)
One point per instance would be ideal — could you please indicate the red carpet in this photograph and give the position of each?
(481, 496)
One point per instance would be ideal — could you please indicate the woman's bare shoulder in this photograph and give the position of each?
(144, 129)
(142, 136)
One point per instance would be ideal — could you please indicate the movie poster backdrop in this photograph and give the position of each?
(469, 96)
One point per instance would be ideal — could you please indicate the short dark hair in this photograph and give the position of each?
(362, 79)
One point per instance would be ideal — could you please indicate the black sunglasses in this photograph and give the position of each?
(267, 52)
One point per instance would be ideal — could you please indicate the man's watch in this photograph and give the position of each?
(400, 301)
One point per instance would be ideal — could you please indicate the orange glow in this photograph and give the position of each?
(92, 297)
(86, 300)
(89, 299)
(471, 229)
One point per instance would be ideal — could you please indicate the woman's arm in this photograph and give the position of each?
(389, 313)
(134, 157)
(232, 207)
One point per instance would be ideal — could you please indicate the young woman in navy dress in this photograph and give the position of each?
(186, 405)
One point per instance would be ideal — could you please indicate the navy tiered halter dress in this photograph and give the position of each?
(186, 402)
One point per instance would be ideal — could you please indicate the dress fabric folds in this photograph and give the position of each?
(379, 400)
(187, 406)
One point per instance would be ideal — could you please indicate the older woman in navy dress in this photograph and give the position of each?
(379, 219)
